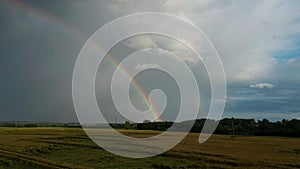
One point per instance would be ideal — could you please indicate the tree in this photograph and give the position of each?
(127, 125)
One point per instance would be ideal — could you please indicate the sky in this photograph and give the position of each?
(258, 42)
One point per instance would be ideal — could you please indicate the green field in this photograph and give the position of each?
(71, 148)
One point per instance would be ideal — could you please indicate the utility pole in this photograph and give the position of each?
(232, 125)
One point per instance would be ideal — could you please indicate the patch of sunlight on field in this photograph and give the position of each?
(71, 148)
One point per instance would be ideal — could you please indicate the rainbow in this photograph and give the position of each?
(70, 29)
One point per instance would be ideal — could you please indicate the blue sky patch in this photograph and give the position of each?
(292, 52)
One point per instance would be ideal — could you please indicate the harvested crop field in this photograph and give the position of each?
(71, 148)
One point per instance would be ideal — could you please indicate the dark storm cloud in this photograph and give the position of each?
(38, 53)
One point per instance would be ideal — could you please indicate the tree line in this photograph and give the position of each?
(32, 125)
(234, 126)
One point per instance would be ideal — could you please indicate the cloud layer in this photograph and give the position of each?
(258, 42)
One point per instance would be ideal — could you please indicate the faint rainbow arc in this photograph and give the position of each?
(71, 29)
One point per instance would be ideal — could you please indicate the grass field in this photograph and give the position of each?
(71, 148)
